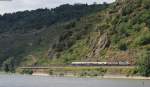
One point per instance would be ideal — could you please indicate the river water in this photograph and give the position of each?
(39, 81)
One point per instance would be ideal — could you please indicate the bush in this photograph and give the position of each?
(143, 39)
(143, 17)
(124, 29)
(27, 71)
(146, 3)
(137, 27)
(132, 72)
(127, 10)
(61, 74)
(148, 22)
(51, 72)
(115, 39)
(122, 46)
(8, 65)
(83, 73)
(70, 25)
(101, 71)
(144, 63)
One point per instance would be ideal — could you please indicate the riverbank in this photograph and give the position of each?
(114, 72)
(126, 77)
(77, 76)
(98, 77)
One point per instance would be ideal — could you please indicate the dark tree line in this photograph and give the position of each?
(28, 20)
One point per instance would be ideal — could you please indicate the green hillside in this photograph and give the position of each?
(119, 33)
(116, 32)
(26, 34)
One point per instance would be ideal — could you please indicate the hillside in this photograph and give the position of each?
(29, 32)
(116, 32)
(119, 33)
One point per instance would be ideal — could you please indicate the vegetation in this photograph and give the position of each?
(107, 32)
(143, 39)
(144, 63)
(91, 71)
(29, 21)
(27, 71)
(122, 46)
(26, 36)
(8, 65)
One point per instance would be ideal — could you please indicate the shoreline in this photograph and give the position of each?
(127, 77)
(98, 77)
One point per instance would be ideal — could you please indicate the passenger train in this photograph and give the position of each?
(120, 63)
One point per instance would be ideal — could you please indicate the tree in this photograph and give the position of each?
(144, 63)
(8, 65)
(127, 10)
(122, 46)
(146, 4)
(143, 39)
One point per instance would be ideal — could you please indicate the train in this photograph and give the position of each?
(120, 63)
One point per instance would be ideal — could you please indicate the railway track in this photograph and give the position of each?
(60, 67)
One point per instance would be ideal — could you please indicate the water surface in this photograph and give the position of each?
(38, 81)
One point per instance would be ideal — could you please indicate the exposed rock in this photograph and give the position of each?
(100, 43)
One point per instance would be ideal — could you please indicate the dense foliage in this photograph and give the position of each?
(144, 63)
(22, 33)
(114, 32)
(27, 21)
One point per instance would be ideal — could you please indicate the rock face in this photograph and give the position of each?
(100, 43)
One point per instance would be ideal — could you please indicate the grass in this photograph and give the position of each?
(91, 71)
(83, 71)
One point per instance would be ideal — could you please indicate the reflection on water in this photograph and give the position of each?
(37, 81)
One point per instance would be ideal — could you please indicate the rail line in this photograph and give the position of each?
(60, 67)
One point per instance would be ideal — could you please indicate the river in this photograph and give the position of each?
(39, 81)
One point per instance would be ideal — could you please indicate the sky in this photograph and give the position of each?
(9, 6)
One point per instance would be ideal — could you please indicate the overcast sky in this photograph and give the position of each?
(20, 5)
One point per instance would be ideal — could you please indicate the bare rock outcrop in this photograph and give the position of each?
(99, 44)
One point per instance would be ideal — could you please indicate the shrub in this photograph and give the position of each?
(131, 72)
(143, 39)
(144, 17)
(122, 46)
(8, 65)
(61, 74)
(124, 29)
(127, 10)
(144, 63)
(148, 22)
(115, 39)
(51, 72)
(27, 71)
(101, 71)
(137, 27)
(83, 73)
(70, 25)
(146, 3)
